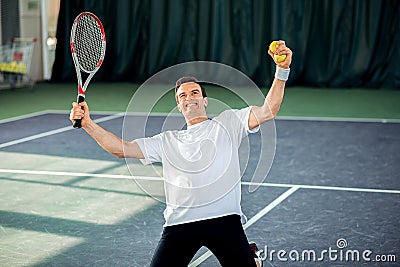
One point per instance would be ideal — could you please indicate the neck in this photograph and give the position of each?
(196, 120)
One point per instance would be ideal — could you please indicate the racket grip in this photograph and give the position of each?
(78, 122)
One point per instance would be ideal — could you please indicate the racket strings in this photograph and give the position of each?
(88, 43)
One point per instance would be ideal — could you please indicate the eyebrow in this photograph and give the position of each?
(191, 91)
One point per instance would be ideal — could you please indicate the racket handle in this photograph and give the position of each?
(78, 122)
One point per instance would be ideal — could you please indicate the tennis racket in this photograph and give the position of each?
(88, 47)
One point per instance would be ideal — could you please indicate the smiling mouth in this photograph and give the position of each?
(190, 105)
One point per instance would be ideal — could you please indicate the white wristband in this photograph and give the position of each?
(282, 74)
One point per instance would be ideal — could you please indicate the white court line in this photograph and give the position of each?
(286, 194)
(324, 187)
(81, 174)
(26, 116)
(56, 131)
(152, 178)
(338, 119)
(270, 206)
(253, 220)
(92, 112)
(52, 111)
(292, 188)
(296, 118)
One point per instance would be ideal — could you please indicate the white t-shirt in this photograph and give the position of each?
(200, 167)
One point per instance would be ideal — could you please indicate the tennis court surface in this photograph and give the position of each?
(332, 197)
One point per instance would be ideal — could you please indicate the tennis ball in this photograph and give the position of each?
(13, 66)
(8, 67)
(21, 68)
(280, 58)
(273, 46)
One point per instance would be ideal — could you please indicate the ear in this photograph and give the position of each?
(179, 107)
(205, 99)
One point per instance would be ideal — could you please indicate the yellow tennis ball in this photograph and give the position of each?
(8, 67)
(21, 68)
(273, 46)
(280, 58)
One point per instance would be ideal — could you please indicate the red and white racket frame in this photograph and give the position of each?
(78, 67)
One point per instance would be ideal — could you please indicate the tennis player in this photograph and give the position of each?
(201, 171)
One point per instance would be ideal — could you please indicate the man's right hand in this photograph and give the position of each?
(80, 111)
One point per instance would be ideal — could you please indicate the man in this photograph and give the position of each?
(201, 170)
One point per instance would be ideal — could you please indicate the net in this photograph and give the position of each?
(88, 43)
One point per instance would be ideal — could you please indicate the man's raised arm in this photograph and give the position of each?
(107, 140)
(273, 100)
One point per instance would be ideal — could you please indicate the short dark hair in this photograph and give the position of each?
(190, 79)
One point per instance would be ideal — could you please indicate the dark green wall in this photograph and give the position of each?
(337, 43)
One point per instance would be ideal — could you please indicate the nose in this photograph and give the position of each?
(189, 97)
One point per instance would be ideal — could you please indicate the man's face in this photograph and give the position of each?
(190, 99)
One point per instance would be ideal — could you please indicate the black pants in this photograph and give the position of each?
(224, 236)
